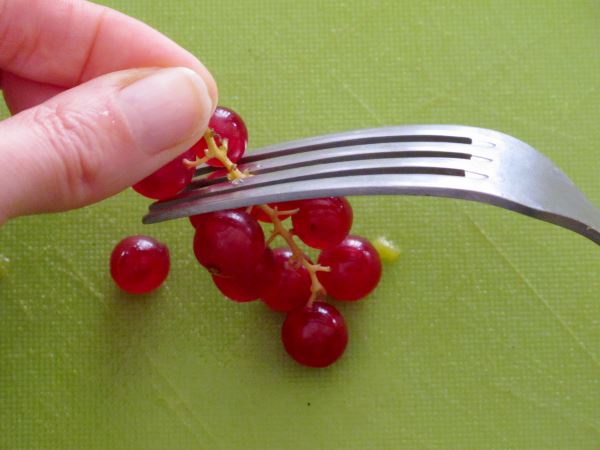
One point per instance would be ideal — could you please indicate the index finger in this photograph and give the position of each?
(67, 42)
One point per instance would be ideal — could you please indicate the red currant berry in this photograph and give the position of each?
(235, 289)
(228, 243)
(259, 214)
(226, 124)
(169, 180)
(248, 287)
(316, 335)
(199, 218)
(355, 269)
(290, 287)
(139, 264)
(322, 222)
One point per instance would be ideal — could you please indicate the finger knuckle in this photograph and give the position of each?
(74, 139)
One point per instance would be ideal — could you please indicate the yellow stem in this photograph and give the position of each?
(316, 287)
(220, 153)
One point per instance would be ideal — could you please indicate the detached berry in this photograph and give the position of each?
(139, 264)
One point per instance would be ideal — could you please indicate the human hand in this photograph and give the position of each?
(88, 121)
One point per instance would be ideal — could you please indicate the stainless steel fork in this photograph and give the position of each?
(430, 160)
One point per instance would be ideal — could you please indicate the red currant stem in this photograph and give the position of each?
(272, 237)
(196, 162)
(220, 153)
(316, 288)
(288, 212)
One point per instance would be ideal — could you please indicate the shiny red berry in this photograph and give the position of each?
(355, 269)
(226, 124)
(169, 180)
(248, 286)
(289, 287)
(322, 222)
(198, 219)
(139, 264)
(228, 243)
(316, 335)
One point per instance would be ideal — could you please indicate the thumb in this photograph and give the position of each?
(96, 139)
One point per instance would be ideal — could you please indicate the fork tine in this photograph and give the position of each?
(441, 134)
(374, 167)
(429, 160)
(459, 187)
(409, 184)
(358, 152)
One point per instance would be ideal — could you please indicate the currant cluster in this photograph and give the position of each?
(244, 265)
(231, 246)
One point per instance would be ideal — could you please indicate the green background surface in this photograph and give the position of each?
(484, 335)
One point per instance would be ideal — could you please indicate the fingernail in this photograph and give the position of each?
(166, 108)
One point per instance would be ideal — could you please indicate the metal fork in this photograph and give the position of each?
(430, 160)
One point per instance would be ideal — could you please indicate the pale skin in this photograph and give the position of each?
(99, 101)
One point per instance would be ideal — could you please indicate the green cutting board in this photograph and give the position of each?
(484, 335)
